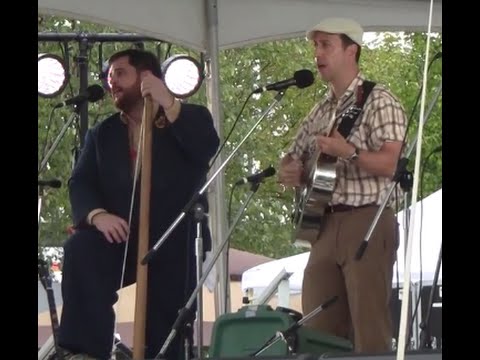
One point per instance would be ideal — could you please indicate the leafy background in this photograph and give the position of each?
(394, 59)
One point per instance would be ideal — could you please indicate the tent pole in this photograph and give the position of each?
(217, 192)
(418, 156)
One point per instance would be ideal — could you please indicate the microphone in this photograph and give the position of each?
(53, 183)
(301, 78)
(92, 93)
(256, 178)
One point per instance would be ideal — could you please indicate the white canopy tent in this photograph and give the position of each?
(213, 25)
(245, 22)
(427, 236)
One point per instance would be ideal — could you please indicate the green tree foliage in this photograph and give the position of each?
(397, 61)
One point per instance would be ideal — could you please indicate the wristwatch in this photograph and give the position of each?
(354, 156)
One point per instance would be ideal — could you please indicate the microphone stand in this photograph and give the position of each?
(194, 199)
(425, 338)
(401, 176)
(199, 215)
(41, 193)
(284, 335)
(57, 140)
(46, 281)
(185, 312)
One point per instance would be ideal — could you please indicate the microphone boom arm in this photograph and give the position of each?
(57, 141)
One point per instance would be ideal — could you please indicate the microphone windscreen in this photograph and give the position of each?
(95, 92)
(269, 171)
(55, 183)
(303, 78)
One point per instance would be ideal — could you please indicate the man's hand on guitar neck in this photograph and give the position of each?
(335, 145)
(290, 171)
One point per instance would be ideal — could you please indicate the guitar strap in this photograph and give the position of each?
(349, 118)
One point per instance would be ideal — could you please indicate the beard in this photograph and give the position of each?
(128, 98)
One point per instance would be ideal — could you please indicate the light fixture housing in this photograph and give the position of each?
(52, 75)
(183, 75)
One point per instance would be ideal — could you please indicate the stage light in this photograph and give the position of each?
(183, 75)
(52, 77)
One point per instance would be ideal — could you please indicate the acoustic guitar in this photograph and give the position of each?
(313, 195)
(319, 178)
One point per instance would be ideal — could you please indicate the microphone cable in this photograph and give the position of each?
(227, 250)
(234, 184)
(233, 126)
(420, 282)
(235, 122)
(293, 125)
(400, 155)
(229, 211)
(396, 290)
(414, 109)
(45, 143)
(230, 133)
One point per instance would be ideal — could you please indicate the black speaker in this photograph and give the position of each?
(435, 321)
(396, 310)
(409, 355)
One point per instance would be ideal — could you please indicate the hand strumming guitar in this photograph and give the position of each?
(335, 145)
(290, 171)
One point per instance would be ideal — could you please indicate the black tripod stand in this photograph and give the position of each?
(186, 312)
(426, 341)
(46, 280)
(44, 273)
(288, 333)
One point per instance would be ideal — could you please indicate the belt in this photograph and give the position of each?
(343, 207)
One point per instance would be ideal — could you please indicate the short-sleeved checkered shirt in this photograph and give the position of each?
(382, 119)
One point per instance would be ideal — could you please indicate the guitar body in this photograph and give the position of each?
(313, 197)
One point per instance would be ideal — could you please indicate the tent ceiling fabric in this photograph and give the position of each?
(246, 22)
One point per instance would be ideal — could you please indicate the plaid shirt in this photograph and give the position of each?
(382, 119)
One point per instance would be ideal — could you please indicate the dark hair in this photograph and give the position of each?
(346, 41)
(140, 59)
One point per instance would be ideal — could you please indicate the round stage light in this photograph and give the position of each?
(183, 75)
(52, 77)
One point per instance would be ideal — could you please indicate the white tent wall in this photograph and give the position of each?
(427, 239)
(214, 25)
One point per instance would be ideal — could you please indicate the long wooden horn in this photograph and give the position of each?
(143, 233)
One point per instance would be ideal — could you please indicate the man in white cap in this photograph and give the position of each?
(366, 157)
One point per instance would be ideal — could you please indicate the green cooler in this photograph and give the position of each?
(246, 331)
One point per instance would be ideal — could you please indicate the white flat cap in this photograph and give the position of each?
(349, 27)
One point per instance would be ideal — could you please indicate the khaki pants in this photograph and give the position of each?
(361, 313)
